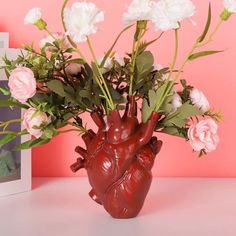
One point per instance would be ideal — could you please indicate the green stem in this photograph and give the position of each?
(46, 29)
(195, 46)
(175, 53)
(168, 89)
(14, 133)
(136, 45)
(105, 91)
(73, 44)
(82, 129)
(71, 130)
(198, 45)
(113, 45)
(7, 123)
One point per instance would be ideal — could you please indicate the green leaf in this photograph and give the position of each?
(11, 103)
(173, 131)
(31, 143)
(57, 87)
(166, 107)
(208, 23)
(144, 62)
(145, 44)
(6, 139)
(85, 94)
(179, 118)
(5, 91)
(95, 70)
(49, 133)
(75, 60)
(147, 109)
(202, 54)
(7, 163)
(154, 101)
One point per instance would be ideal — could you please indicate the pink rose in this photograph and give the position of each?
(34, 120)
(199, 100)
(73, 69)
(203, 135)
(22, 84)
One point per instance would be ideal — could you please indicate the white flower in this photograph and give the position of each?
(81, 19)
(110, 63)
(176, 102)
(107, 66)
(158, 67)
(119, 59)
(230, 5)
(137, 11)
(166, 14)
(33, 16)
(199, 100)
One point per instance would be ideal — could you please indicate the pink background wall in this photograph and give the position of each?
(215, 75)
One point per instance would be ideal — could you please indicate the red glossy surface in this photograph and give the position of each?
(119, 159)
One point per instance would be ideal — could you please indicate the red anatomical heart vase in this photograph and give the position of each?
(119, 159)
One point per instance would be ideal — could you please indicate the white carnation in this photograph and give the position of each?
(81, 19)
(110, 63)
(199, 100)
(158, 67)
(33, 16)
(167, 14)
(176, 102)
(230, 5)
(137, 11)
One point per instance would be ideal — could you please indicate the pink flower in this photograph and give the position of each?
(22, 84)
(199, 100)
(203, 135)
(49, 39)
(34, 120)
(73, 69)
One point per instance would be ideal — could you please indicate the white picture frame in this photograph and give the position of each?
(4, 40)
(24, 182)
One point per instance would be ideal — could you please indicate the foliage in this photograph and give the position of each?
(65, 95)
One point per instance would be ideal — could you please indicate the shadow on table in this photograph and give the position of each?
(169, 196)
(39, 182)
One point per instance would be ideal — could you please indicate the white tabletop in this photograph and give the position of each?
(174, 206)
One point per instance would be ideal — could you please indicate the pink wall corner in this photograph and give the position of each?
(215, 75)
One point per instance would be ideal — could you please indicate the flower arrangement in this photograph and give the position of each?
(54, 87)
